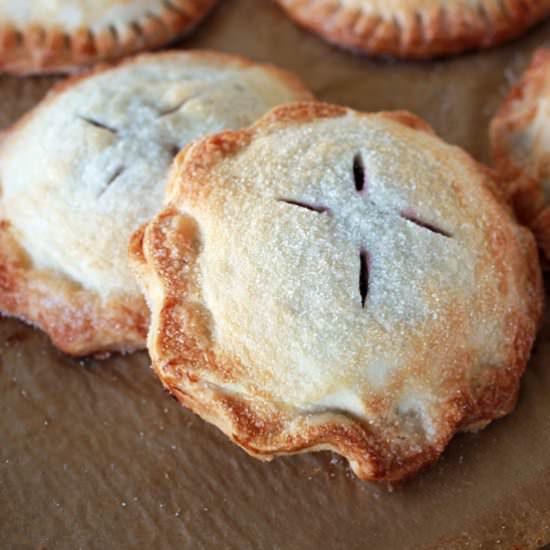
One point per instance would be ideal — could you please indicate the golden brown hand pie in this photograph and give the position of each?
(88, 166)
(60, 35)
(520, 140)
(417, 28)
(334, 280)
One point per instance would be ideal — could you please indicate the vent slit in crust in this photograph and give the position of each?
(359, 174)
(98, 124)
(363, 275)
(313, 207)
(177, 107)
(116, 174)
(411, 216)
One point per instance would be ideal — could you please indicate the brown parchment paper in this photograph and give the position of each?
(94, 455)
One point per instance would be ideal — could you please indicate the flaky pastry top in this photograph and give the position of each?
(82, 171)
(329, 272)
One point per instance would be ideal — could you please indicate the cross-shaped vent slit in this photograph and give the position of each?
(411, 216)
(313, 207)
(360, 178)
(114, 176)
(363, 275)
(98, 124)
(359, 173)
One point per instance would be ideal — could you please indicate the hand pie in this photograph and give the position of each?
(520, 141)
(60, 35)
(82, 171)
(416, 28)
(334, 280)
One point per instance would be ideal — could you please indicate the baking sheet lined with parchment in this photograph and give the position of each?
(93, 454)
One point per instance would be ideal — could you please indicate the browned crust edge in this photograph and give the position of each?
(417, 34)
(265, 429)
(75, 319)
(520, 185)
(38, 50)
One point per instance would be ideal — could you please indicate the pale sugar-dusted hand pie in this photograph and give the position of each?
(417, 28)
(520, 139)
(88, 166)
(60, 35)
(334, 280)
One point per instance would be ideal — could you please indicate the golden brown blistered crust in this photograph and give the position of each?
(34, 49)
(414, 32)
(75, 319)
(182, 352)
(520, 181)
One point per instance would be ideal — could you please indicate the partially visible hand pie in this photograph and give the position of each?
(334, 280)
(60, 35)
(417, 28)
(520, 140)
(88, 166)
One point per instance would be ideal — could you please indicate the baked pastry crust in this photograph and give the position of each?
(521, 148)
(299, 303)
(62, 35)
(416, 28)
(88, 166)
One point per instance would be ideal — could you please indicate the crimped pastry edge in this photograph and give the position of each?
(415, 34)
(262, 430)
(522, 187)
(40, 50)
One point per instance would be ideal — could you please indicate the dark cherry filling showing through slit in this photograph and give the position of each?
(359, 174)
(360, 179)
(363, 276)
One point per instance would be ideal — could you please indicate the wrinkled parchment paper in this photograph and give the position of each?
(94, 455)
